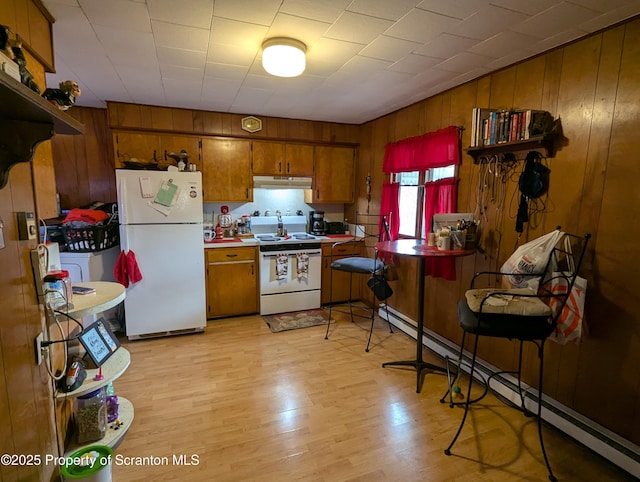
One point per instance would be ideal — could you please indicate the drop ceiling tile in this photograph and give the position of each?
(220, 89)
(421, 26)
(234, 73)
(334, 51)
(459, 9)
(325, 11)
(365, 66)
(555, 19)
(567, 35)
(231, 54)
(192, 13)
(609, 18)
(391, 10)
(117, 13)
(51, 4)
(179, 36)
(117, 44)
(463, 62)
(250, 99)
(446, 45)
(182, 58)
(502, 44)
(303, 29)
(174, 72)
(261, 12)
(389, 48)
(599, 5)
(357, 28)
(488, 22)
(233, 32)
(319, 68)
(184, 93)
(414, 64)
(526, 6)
(73, 32)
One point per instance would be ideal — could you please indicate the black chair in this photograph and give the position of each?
(358, 256)
(521, 314)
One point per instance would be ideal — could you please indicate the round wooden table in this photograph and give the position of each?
(420, 249)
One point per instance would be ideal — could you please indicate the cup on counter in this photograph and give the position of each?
(209, 235)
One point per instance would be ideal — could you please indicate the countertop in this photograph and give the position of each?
(239, 242)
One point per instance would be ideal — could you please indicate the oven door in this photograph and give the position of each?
(278, 276)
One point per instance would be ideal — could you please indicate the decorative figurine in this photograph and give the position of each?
(65, 96)
(4, 41)
(18, 57)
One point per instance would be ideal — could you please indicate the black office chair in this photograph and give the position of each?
(521, 314)
(348, 257)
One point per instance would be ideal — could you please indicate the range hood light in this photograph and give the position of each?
(281, 182)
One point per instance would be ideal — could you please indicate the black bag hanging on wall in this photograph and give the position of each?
(533, 183)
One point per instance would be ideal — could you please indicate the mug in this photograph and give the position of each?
(209, 235)
(443, 243)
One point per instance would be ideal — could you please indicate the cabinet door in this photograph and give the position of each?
(171, 143)
(136, 145)
(268, 158)
(333, 174)
(340, 281)
(232, 286)
(298, 160)
(226, 170)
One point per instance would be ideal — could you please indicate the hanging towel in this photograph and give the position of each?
(282, 260)
(133, 270)
(120, 270)
(303, 265)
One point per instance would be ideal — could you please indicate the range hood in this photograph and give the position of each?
(281, 182)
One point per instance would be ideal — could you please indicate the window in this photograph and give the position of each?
(411, 198)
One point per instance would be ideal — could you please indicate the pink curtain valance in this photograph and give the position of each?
(434, 149)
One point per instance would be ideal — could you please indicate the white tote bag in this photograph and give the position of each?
(530, 259)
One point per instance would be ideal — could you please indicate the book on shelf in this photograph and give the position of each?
(498, 126)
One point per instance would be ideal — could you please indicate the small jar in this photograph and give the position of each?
(91, 416)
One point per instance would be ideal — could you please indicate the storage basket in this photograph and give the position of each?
(91, 238)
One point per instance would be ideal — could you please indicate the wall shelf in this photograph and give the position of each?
(520, 149)
(26, 119)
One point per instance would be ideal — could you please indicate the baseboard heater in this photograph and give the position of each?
(604, 442)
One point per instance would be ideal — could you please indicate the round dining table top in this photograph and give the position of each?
(419, 247)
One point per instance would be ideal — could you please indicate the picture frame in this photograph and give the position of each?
(99, 342)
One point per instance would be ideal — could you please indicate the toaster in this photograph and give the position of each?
(335, 228)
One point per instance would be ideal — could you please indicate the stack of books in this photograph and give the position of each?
(491, 127)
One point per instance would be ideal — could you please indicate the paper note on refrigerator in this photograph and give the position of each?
(166, 194)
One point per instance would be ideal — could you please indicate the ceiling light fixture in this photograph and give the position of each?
(283, 57)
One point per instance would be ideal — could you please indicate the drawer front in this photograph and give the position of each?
(221, 255)
(347, 249)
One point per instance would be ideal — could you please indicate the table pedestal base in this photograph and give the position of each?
(419, 366)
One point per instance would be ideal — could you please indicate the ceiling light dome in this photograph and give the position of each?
(283, 57)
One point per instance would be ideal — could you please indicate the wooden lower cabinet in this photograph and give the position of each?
(232, 281)
(340, 278)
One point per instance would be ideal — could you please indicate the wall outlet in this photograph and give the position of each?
(38, 347)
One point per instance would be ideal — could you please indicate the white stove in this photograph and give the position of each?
(290, 265)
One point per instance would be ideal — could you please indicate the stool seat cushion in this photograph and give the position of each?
(507, 301)
(358, 264)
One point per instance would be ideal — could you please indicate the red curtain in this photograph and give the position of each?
(389, 207)
(440, 197)
(434, 149)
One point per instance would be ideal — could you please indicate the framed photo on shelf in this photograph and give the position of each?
(99, 342)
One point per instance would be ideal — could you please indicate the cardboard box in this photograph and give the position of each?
(9, 67)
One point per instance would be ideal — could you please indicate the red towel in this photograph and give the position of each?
(133, 270)
(120, 270)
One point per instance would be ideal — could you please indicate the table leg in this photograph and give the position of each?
(418, 363)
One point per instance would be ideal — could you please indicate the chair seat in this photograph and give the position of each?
(507, 302)
(536, 327)
(358, 264)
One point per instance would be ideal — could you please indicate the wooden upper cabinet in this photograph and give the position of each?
(282, 159)
(171, 143)
(298, 160)
(268, 158)
(334, 174)
(136, 145)
(226, 170)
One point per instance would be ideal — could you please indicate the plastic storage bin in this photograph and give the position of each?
(90, 464)
(91, 238)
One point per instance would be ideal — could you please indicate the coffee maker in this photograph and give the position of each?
(316, 222)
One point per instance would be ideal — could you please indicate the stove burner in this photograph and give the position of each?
(268, 237)
(303, 236)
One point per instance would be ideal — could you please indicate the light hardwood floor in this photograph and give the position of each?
(251, 405)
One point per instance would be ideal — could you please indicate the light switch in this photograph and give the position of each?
(27, 225)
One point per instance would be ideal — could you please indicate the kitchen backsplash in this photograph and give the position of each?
(284, 200)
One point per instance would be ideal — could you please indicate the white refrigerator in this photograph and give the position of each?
(160, 214)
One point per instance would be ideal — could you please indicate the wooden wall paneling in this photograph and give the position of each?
(182, 120)
(44, 181)
(614, 342)
(157, 118)
(65, 159)
(128, 115)
(40, 34)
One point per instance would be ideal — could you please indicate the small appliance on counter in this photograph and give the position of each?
(316, 223)
(334, 228)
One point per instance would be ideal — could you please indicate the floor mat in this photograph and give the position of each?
(295, 320)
